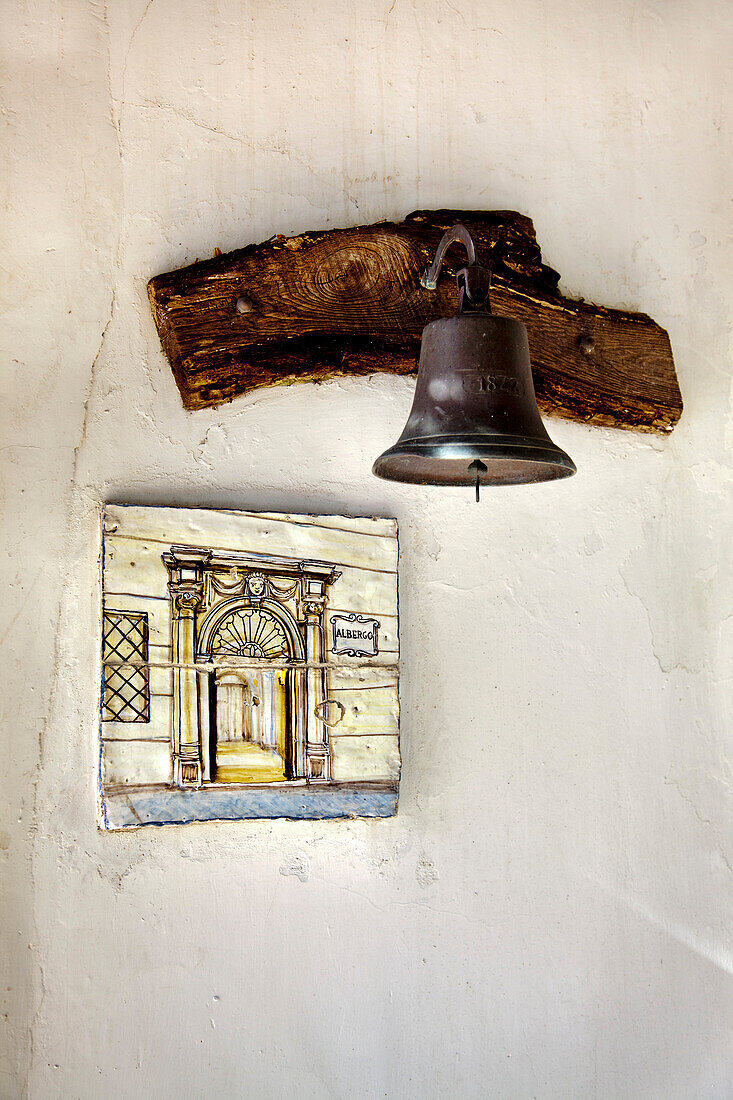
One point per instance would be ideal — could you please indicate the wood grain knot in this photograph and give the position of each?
(353, 277)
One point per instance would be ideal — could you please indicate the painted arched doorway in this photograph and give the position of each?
(217, 601)
(251, 720)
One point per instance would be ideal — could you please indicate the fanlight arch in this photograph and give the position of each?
(220, 614)
(249, 632)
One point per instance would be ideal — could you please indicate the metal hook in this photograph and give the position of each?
(474, 281)
(430, 276)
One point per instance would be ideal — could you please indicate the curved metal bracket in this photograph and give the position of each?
(430, 276)
(473, 280)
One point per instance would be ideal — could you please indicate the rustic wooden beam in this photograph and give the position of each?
(348, 302)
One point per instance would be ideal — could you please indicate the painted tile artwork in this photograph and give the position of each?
(249, 666)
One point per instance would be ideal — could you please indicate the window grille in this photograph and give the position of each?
(126, 688)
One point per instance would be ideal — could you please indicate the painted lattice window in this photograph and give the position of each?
(126, 687)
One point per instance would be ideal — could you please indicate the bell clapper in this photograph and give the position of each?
(480, 468)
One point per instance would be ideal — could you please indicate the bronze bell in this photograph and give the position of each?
(474, 418)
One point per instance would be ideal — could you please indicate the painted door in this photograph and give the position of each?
(251, 725)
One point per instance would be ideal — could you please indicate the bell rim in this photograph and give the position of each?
(532, 463)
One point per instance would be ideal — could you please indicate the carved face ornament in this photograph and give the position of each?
(256, 584)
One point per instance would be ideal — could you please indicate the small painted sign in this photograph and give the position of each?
(355, 635)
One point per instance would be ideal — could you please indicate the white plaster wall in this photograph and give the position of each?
(549, 914)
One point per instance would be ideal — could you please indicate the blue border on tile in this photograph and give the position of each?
(167, 806)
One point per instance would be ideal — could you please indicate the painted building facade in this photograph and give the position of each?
(249, 658)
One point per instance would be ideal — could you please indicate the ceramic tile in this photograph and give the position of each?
(250, 666)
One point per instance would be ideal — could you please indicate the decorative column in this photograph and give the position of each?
(298, 692)
(185, 568)
(187, 754)
(318, 757)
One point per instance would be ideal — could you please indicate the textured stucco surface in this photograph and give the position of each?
(549, 914)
